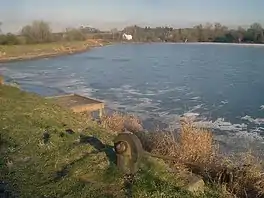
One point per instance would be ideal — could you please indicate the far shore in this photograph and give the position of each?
(15, 53)
(46, 50)
(216, 43)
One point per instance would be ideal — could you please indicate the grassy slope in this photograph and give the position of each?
(14, 52)
(64, 167)
(18, 50)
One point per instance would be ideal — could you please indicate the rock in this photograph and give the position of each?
(194, 183)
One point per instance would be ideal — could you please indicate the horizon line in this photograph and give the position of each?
(57, 27)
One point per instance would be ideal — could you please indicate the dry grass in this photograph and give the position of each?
(195, 144)
(194, 149)
(191, 145)
(118, 122)
(247, 176)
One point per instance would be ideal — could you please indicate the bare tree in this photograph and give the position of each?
(73, 34)
(37, 32)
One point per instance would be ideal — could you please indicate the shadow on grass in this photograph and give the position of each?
(98, 145)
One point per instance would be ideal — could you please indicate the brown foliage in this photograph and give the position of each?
(195, 150)
(191, 145)
(118, 122)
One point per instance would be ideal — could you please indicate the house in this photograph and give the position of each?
(127, 36)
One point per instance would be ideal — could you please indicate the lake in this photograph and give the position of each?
(222, 86)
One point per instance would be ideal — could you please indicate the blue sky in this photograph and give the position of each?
(107, 14)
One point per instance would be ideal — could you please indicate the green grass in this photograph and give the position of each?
(64, 167)
(20, 50)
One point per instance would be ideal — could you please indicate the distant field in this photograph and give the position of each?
(17, 50)
(22, 52)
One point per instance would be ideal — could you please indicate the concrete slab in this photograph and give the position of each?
(78, 103)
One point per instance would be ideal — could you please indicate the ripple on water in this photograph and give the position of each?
(177, 80)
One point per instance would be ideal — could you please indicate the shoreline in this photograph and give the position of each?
(53, 52)
(217, 43)
(71, 51)
(40, 56)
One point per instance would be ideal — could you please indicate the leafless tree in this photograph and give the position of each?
(37, 32)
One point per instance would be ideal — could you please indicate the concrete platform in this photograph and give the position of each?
(78, 103)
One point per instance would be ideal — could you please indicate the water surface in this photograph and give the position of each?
(221, 85)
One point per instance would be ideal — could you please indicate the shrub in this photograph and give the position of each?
(73, 34)
(118, 122)
(37, 32)
(9, 39)
(193, 148)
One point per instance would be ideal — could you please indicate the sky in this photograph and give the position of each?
(106, 14)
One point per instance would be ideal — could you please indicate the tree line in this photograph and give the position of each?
(41, 32)
(200, 33)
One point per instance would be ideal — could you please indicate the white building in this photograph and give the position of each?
(127, 36)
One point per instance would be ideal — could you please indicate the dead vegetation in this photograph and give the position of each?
(194, 149)
(119, 122)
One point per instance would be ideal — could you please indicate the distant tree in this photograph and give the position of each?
(9, 39)
(37, 32)
(0, 27)
(256, 31)
(88, 30)
(219, 30)
(40, 32)
(241, 34)
(73, 34)
(114, 32)
(200, 33)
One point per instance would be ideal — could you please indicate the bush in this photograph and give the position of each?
(37, 32)
(118, 122)
(194, 149)
(74, 35)
(9, 39)
(190, 145)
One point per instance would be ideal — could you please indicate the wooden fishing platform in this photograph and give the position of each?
(78, 103)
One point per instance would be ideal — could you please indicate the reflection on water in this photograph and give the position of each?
(220, 85)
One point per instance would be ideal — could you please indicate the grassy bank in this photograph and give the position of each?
(24, 52)
(48, 151)
(194, 149)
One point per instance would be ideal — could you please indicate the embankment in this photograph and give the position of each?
(46, 50)
(48, 151)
